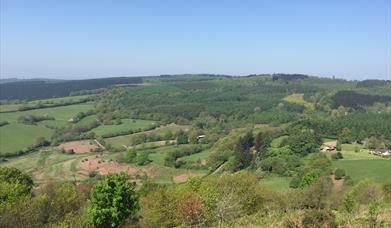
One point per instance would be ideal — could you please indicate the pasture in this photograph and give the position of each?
(62, 113)
(127, 124)
(16, 136)
(49, 165)
(363, 165)
(125, 140)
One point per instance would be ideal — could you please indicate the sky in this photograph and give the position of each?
(74, 39)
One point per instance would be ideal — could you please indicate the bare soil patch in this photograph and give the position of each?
(337, 183)
(82, 146)
(103, 167)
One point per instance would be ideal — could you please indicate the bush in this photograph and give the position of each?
(339, 174)
(112, 201)
(319, 218)
(337, 156)
(92, 174)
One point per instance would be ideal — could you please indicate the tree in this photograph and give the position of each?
(182, 138)
(303, 142)
(14, 184)
(258, 142)
(338, 146)
(339, 174)
(345, 136)
(112, 201)
(130, 156)
(242, 151)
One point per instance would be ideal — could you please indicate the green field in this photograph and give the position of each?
(276, 182)
(63, 113)
(362, 164)
(47, 165)
(15, 136)
(127, 124)
(378, 170)
(122, 140)
(14, 107)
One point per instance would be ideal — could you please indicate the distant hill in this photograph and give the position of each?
(43, 88)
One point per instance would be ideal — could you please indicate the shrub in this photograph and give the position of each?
(337, 156)
(339, 174)
(319, 218)
(112, 201)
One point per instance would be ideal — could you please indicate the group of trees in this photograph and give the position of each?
(33, 119)
(109, 203)
(35, 89)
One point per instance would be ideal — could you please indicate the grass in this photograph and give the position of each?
(122, 140)
(49, 165)
(378, 169)
(15, 107)
(298, 98)
(63, 113)
(363, 165)
(15, 136)
(276, 182)
(126, 125)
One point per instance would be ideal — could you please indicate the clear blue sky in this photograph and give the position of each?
(100, 38)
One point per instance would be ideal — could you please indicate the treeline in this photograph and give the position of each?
(33, 119)
(372, 83)
(354, 99)
(42, 89)
(289, 77)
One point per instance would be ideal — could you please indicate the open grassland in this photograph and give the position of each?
(15, 136)
(298, 98)
(49, 165)
(127, 124)
(63, 113)
(378, 170)
(125, 140)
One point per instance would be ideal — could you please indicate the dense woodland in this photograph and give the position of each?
(244, 130)
(48, 89)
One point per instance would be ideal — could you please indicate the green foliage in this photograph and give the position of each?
(349, 203)
(142, 158)
(345, 136)
(303, 142)
(319, 218)
(337, 156)
(309, 178)
(13, 185)
(112, 201)
(130, 156)
(339, 174)
(242, 152)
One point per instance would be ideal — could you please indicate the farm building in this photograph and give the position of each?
(381, 152)
(328, 146)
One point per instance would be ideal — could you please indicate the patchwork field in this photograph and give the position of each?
(16, 136)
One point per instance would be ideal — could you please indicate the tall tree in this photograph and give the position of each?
(112, 201)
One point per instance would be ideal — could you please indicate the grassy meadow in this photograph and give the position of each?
(126, 125)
